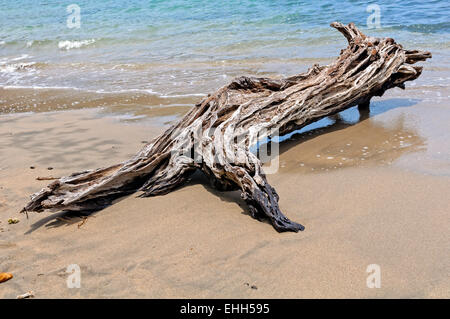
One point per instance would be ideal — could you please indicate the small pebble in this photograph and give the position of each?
(13, 221)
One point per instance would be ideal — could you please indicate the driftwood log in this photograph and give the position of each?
(217, 134)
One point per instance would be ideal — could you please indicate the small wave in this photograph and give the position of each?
(14, 67)
(68, 45)
(182, 95)
(37, 87)
(21, 57)
(102, 91)
(424, 28)
(119, 91)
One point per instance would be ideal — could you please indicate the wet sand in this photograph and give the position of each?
(370, 190)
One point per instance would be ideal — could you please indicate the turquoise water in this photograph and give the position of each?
(192, 47)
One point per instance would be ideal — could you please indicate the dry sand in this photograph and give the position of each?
(373, 192)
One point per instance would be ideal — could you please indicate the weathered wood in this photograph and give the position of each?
(215, 136)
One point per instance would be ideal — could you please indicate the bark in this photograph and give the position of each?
(216, 135)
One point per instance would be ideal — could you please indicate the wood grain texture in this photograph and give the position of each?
(217, 134)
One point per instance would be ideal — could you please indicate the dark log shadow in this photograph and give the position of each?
(62, 218)
(340, 121)
(337, 122)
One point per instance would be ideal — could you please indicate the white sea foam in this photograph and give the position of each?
(182, 95)
(68, 45)
(148, 91)
(21, 57)
(14, 67)
(36, 87)
(151, 92)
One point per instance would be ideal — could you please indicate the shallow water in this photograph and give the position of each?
(189, 48)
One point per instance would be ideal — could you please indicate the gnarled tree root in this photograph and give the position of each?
(216, 135)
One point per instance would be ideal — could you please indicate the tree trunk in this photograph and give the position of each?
(216, 135)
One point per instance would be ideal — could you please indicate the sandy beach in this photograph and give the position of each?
(369, 191)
